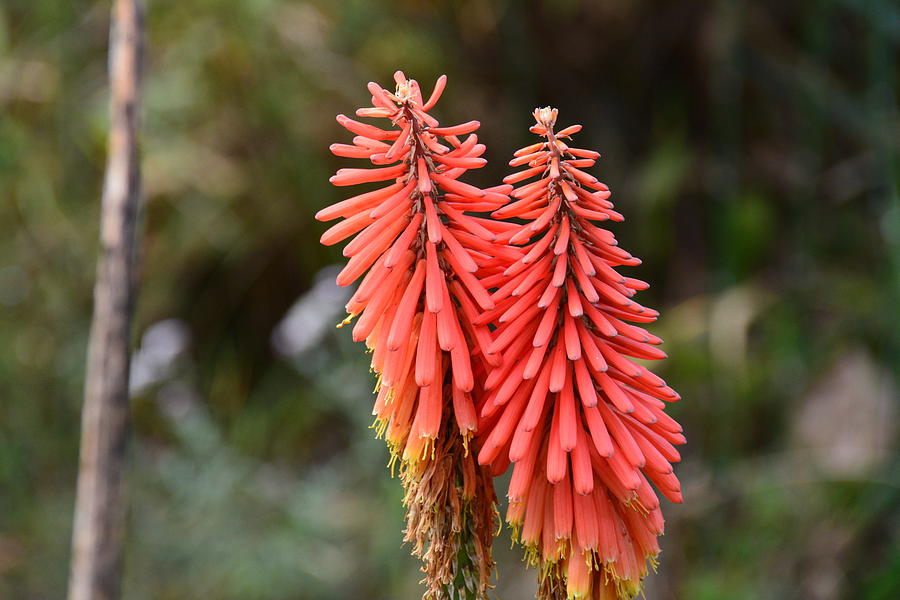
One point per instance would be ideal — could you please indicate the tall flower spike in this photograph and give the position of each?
(582, 423)
(422, 257)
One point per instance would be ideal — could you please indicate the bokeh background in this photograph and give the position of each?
(752, 146)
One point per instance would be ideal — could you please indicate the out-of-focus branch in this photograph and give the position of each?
(98, 531)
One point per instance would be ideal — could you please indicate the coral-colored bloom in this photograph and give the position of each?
(422, 256)
(422, 253)
(583, 424)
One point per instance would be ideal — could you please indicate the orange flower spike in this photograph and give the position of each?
(388, 222)
(593, 428)
(421, 258)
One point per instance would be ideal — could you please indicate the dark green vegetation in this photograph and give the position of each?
(752, 146)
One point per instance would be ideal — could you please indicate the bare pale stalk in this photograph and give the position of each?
(98, 531)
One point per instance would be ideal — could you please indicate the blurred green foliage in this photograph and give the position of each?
(753, 147)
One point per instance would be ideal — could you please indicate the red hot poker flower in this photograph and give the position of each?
(583, 424)
(422, 257)
(422, 254)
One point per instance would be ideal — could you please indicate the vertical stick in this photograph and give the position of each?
(97, 539)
